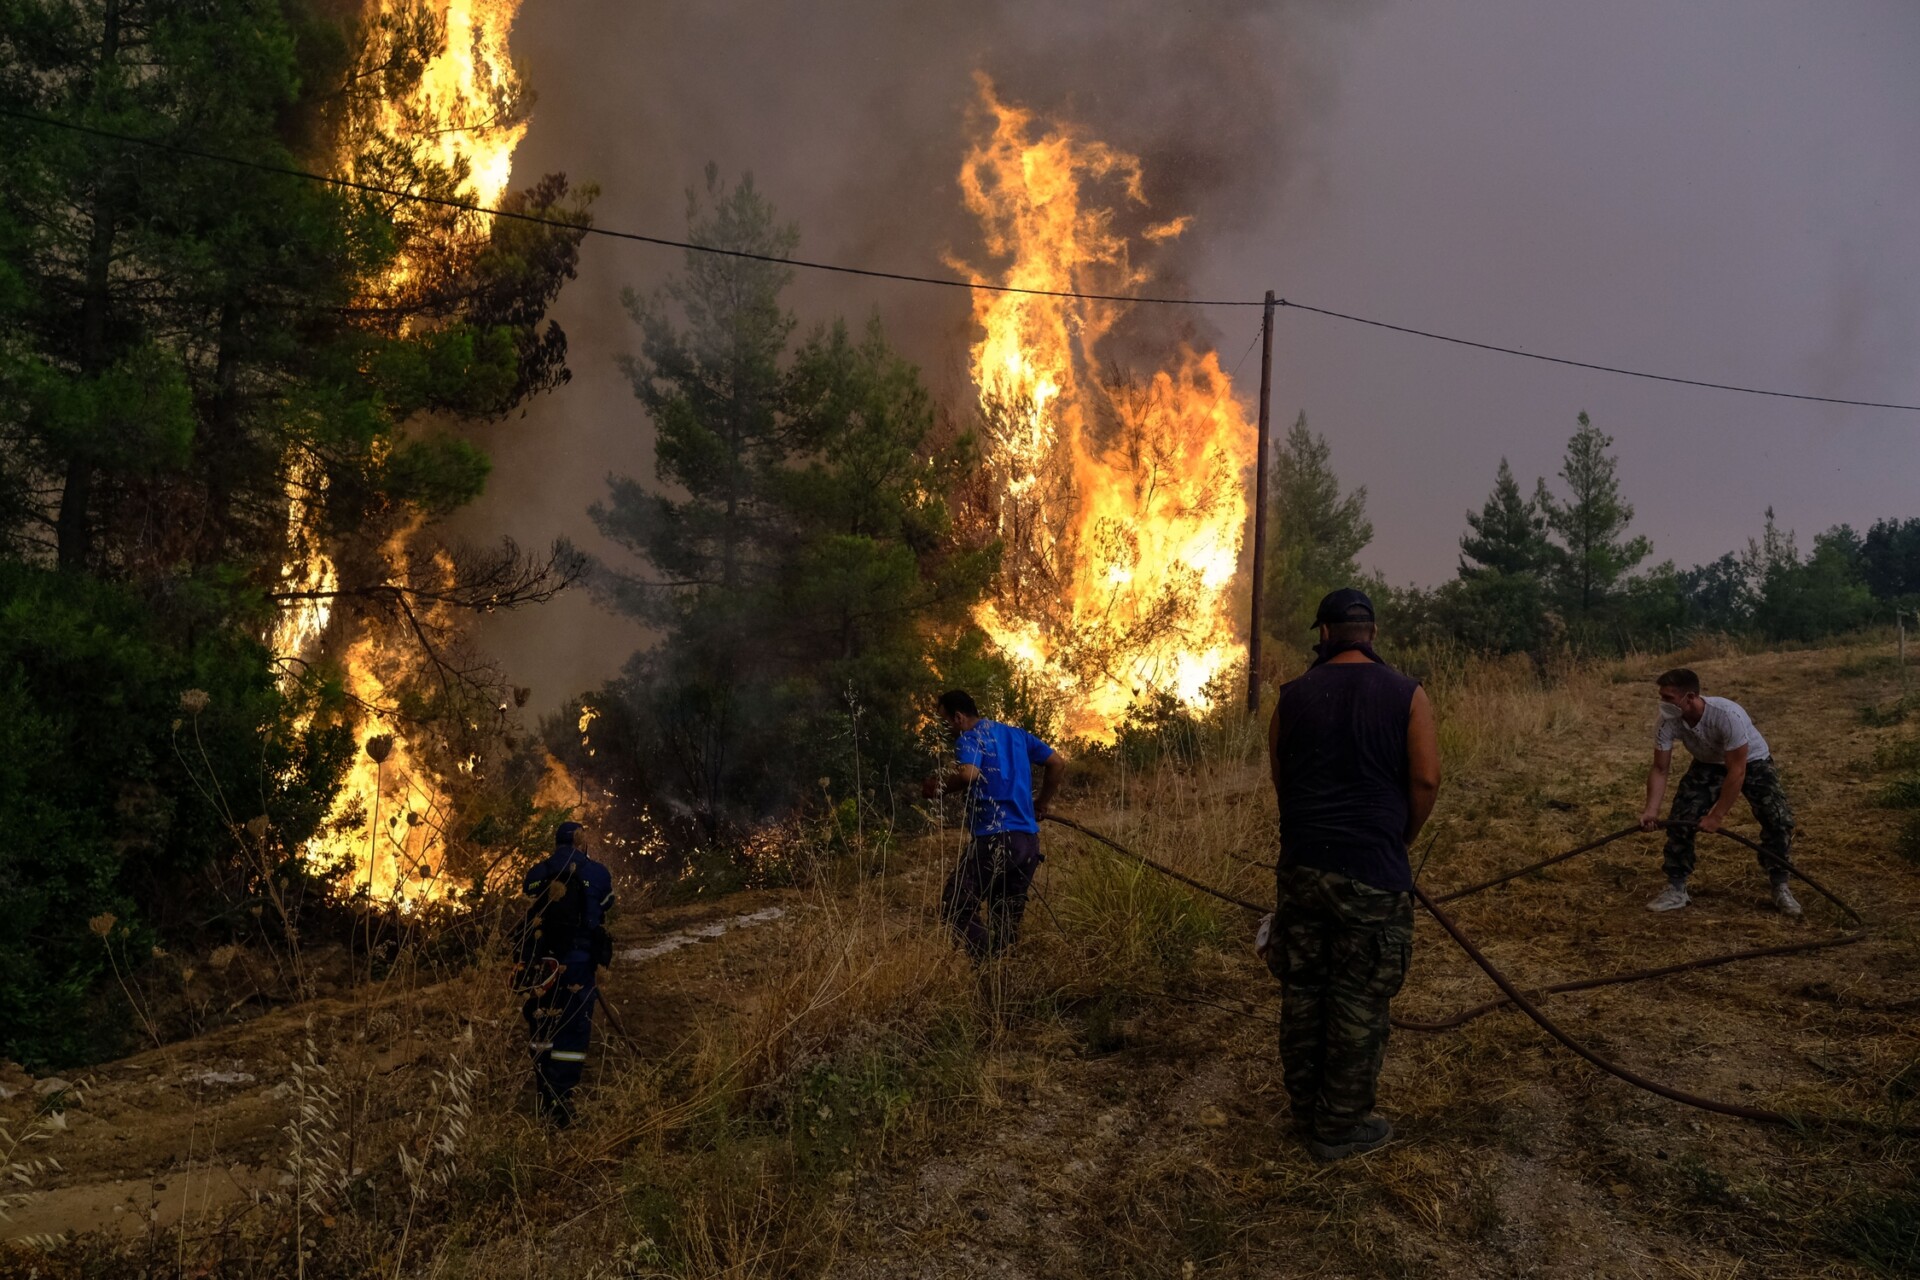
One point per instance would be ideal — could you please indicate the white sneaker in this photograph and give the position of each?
(1789, 905)
(1671, 898)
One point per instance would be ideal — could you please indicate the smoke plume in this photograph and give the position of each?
(853, 118)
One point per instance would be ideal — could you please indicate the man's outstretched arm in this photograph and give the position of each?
(1729, 790)
(958, 778)
(1050, 784)
(1423, 763)
(1656, 787)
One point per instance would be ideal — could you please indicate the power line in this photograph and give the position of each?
(948, 282)
(1598, 368)
(468, 206)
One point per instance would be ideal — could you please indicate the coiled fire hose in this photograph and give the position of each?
(1514, 996)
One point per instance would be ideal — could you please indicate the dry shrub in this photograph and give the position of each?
(857, 973)
(1709, 646)
(731, 1156)
(1104, 924)
(736, 1211)
(1492, 711)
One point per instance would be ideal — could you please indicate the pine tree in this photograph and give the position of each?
(1509, 535)
(1594, 554)
(186, 346)
(1497, 602)
(797, 549)
(713, 391)
(1314, 535)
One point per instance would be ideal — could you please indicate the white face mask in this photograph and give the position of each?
(1668, 711)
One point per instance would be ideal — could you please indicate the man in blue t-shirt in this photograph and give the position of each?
(994, 766)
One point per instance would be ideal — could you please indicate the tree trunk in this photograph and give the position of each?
(73, 530)
(227, 456)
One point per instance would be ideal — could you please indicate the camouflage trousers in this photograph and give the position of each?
(1340, 949)
(1700, 787)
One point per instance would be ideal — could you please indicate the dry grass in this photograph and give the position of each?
(841, 1094)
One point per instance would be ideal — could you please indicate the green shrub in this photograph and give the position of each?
(1903, 793)
(1907, 843)
(1893, 713)
(1897, 757)
(112, 783)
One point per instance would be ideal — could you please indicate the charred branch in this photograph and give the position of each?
(452, 581)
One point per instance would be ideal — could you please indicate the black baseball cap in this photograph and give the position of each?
(1348, 604)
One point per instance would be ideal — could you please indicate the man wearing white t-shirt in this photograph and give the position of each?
(1730, 759)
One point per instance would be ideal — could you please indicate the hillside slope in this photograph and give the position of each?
(828, 1090)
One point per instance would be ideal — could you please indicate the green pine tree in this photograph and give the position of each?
(1498, 600)
(1594, 553)
(1508, 535)
(186, 347)
(797, 551)
(713, 389)
(1314, 534)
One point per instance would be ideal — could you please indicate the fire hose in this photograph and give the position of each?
(1767, 860)
(1514, 996)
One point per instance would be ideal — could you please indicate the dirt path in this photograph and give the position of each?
(196, 1128)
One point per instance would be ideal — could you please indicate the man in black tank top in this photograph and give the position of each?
(1356, 767)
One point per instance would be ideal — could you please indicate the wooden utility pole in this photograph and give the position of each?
(1900, 625)
(1260, 511)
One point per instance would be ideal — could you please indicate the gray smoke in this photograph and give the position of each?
(853, 119)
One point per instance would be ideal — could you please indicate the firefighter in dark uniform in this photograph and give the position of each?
(563, 940)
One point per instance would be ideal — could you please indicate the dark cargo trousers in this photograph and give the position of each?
(996, 870)
(1700, 787)
(560, 1032)
(1340, 949)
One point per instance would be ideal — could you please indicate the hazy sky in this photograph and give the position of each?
(1720, 189)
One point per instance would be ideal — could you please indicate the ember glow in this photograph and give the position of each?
(386, 830)
(1122, 507)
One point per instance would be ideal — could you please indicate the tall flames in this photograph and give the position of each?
(471, 96)
(1121, 502)
(386, 831)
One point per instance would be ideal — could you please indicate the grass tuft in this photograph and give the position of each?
(1884, 1234)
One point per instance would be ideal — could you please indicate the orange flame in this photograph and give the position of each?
(462, 115)
(388, 826)
(470, 91)
(1121, 507)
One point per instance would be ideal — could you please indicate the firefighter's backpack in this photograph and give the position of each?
(555, 920)
(556, 924)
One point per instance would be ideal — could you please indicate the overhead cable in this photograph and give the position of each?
(907, 277)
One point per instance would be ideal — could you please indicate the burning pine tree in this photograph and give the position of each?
(434, 107)
(1121, 503)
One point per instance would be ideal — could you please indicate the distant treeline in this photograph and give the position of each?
(1563, 567)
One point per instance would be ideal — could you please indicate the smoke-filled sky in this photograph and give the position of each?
(1718, 189)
